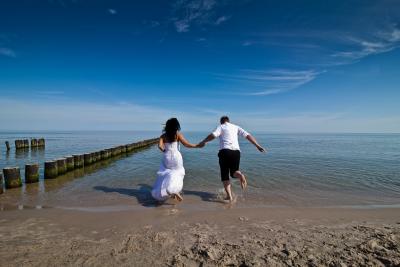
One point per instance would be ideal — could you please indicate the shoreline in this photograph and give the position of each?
(170, 235)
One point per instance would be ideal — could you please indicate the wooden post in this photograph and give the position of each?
(94, 159)
(123, 149)
(62, 165)
(1, 183)
(26, 143)
(32, 173)
(12, 177)
(50, 169)
(109, 152)
(78, 161)
(103, 154)
(8, 146)
(97, 155)
(113, 151)
(34, 142)
(41, 142)
(87, 159)
(70, 163)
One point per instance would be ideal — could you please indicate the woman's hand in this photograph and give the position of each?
(161, 144)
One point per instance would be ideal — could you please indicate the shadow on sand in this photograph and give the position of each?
(205, 196)
(143, 194)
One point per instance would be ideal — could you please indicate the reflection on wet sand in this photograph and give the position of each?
(8, 207)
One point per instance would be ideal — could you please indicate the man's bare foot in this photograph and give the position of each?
(230, 200)
(243, 181)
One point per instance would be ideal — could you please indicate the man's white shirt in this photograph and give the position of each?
(228, 135)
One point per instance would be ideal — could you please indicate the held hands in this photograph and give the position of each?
(201, 144)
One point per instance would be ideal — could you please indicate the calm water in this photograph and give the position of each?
(298, 170)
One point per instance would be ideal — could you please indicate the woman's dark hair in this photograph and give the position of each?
(171, 128)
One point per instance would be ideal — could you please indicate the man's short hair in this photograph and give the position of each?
(224, 119)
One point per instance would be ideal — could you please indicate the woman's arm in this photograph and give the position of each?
(184, 142)
(161, 143)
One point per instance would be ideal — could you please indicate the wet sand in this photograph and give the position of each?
(176, 236)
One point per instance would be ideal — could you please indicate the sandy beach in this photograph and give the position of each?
(172, 236)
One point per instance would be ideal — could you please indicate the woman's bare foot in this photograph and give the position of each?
(177, 197)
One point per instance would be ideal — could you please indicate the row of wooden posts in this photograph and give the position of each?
(55, 168)
(22, 144)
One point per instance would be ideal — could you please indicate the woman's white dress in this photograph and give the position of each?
(171, 173)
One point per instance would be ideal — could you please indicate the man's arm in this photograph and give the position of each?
(254, 142)
(209, 138)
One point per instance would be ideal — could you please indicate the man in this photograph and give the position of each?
(229, 153)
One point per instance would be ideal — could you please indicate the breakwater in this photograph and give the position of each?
(60, 166)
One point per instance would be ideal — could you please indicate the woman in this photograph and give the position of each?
(170, 176)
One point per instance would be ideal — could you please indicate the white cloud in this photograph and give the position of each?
(4, 51)
(274, 81)
(221, 20)
(182, 26)
(195, 12)
(395, 36)
(112, 11)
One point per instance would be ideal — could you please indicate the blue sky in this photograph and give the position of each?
(274, 66)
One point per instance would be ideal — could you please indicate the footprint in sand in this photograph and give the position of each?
(243, 219)
(173, 212)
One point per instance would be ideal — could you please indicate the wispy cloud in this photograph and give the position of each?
(273, 81)
(187, 13)
(247, 43)
(377, 43)
(221, 20)
(151, 23)
(4, 51)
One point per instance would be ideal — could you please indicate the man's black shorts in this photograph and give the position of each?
(229, 161)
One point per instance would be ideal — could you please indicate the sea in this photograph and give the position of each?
(298, 170)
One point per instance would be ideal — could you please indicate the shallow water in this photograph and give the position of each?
(298, 170)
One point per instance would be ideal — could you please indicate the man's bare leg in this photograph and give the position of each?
(242, 178)
(228, 190)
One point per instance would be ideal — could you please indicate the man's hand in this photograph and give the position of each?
(261, 149)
